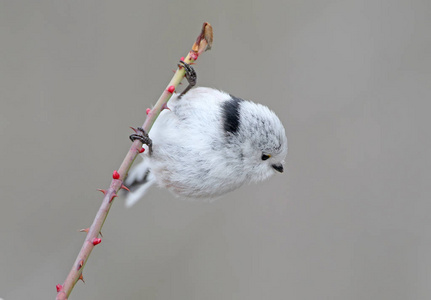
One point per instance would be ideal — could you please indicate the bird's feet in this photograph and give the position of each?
(143, 137)
(190, 76)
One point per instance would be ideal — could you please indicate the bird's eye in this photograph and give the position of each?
(265, 157)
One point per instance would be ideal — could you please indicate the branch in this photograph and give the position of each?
(203, 43)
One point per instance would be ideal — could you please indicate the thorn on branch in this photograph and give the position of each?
(134, 129)
(112, 197)
(81, 278)
(88, 229)
(115, 175)
(80, 264)
(125, 187)
(96, 241)
(103, 191)
(194, 55)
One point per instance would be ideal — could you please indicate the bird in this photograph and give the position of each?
(207, 144)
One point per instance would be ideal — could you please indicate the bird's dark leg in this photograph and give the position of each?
(143, 137)
(190, 76)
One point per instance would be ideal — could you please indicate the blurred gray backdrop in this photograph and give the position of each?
(350, 80)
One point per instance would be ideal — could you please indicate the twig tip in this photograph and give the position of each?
(204, 41)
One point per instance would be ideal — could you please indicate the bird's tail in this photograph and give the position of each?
(139, 181)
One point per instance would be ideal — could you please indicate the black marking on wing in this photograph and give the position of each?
(231, 114)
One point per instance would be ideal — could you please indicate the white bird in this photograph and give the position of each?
(207, 144)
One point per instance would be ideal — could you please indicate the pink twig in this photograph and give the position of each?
(203, 42)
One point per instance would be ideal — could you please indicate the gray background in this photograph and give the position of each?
(350, 80)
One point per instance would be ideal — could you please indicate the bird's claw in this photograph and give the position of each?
(143, 137)
(190, 76)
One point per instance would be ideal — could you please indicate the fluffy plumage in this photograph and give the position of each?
(210, 143)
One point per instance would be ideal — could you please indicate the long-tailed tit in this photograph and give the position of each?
(207, 144)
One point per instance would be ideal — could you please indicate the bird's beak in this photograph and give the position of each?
(278, 167)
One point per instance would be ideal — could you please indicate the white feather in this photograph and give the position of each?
(195, 157)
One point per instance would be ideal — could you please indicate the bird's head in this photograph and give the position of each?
(262, 139)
